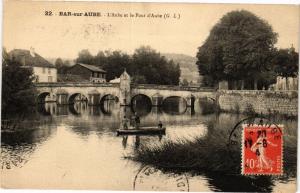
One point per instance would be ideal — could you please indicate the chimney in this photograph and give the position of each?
(32, 52)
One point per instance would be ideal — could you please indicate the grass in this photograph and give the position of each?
(209, 154)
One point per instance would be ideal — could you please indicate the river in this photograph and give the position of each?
(76, 147)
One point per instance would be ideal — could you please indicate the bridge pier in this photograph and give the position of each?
(94, 99)
(157, 100)
(188, 101)
(62, 99)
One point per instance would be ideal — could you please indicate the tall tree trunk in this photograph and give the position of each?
(234, 85)
(255, 84)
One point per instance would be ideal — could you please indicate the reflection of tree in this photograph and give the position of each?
(17, 147)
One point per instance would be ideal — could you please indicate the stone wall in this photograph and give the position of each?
(261, 101)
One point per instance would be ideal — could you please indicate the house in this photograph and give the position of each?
(43, 70)
(88, 72)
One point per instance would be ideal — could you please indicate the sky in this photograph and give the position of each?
(25, 25)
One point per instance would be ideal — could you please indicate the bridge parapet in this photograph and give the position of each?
(75, 84)
(172, 87)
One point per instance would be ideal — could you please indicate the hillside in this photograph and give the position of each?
(188, 67)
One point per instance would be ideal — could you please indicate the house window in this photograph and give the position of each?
(49, 70)
(37, 78)
(49, 78)
(44, 70)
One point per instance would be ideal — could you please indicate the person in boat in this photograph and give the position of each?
(125, 123)
(137, 121)
(160, 125)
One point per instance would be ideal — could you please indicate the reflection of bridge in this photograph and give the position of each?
(125, 92)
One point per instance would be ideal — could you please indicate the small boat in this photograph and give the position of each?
(142, 131)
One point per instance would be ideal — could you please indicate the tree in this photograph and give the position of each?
(286, 63)
(18, 92)
(114, 64)
(185, 82)
(239, 46)
(59, 63)
(62, 66)
(100, 59)
(155, 68)
(84, 56)
(145, 65)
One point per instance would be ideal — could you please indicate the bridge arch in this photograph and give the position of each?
(42, 97)
(141, 104)
(109, 97)
(74, 96)
(140, 97)
(174, 105)
(107, 103)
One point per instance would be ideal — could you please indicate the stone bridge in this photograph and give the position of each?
(124, 92)
(65, 93)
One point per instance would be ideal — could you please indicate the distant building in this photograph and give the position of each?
(88, 72)
(43, 70)
(116, 80)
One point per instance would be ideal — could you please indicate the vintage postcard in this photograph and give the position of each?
(149, 96)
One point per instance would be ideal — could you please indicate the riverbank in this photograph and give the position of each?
(210, 154)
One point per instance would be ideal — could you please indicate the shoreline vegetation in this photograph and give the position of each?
(210, 155)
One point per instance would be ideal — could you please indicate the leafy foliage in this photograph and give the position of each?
(286, 62)
(145, 65)
(239, 47)
(154, 67)
(18, 92)
(62, 66)
(84, 56)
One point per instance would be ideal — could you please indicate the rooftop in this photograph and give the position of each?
(91, 67)
(29, 58)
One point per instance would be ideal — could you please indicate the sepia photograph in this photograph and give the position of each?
(148, 96)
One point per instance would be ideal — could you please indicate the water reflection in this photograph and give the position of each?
(17, 147)
(174, 105)
(76, 147)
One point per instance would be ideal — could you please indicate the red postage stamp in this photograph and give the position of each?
(262, 150)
